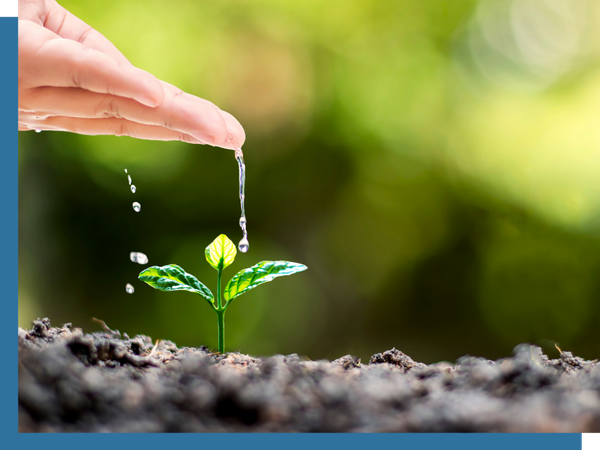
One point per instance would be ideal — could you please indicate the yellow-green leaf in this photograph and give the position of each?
(221, 252)
(174, 278)
(258, 274)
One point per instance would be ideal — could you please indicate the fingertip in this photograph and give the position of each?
(236, 136)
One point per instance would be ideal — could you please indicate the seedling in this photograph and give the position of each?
(219, 254)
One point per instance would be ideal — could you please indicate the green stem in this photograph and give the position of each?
(219, 287)
(220, 314)
(221, 328)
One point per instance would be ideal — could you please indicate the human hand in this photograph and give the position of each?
(71, 78)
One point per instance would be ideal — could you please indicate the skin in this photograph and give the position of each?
(71, 78)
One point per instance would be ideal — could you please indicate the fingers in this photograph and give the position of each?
(110, 126)
(179, 112)
(47, 60)
(67, 26)
(197, 120)
(57, 19)
(77, 87)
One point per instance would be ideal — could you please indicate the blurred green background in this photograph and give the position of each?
(434, 163)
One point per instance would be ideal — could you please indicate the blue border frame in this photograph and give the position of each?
(9, 267)
(10, 213)
(313, 441)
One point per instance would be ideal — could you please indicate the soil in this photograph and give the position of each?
(107, 382)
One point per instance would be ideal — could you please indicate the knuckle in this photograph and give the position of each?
(75, 78)
(108, 107)
(26, 102)
(85, 34)
(121, 129)
(80, 67)
(185, 138)
(175, 98)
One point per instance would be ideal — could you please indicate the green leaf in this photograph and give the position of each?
(258, 274)
(221, 252)
(174, 278)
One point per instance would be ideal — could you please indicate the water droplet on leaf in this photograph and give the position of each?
(133, 188)
(137, 207)
(37, 130)
(129, 178)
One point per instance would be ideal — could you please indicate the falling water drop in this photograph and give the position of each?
(133, 188)
(129, 178)
(244, 245)
(138, 257)
(137, 207)
(37, 130)
(125, 170)
(129, 288)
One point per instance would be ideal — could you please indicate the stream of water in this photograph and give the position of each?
(243, 245)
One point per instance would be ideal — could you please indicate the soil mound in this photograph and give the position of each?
(107, 382)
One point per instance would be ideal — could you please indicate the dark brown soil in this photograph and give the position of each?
(107, 382)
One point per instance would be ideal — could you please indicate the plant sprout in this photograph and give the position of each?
(219, 254)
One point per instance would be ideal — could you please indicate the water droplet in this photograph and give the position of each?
(129, 288)
(129, 178)
(242, 222)
(137, 207)
(37, 130)
(138, 257)
(125, 170)
(133, 188)
(244, 245)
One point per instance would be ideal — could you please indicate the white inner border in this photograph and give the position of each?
(9, 8)
(590, 441)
